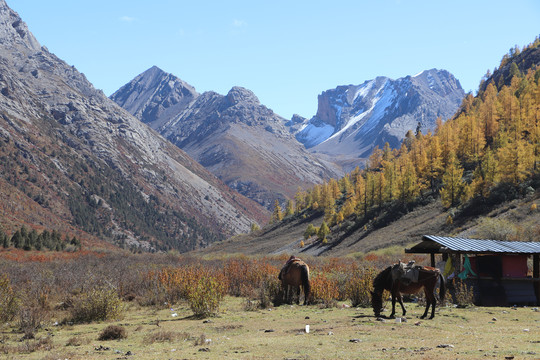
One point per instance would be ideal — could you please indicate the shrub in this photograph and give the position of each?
(113, 332)
(324, 291)
(496, 229)
(164, 336)
(464, 295)
(77, 341)
(206, 295)
(9, 303)
(97, 305)
(30, 319)
(359, 286)
(270, 293)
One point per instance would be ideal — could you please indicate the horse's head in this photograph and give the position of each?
(376, 302)
(398, 270)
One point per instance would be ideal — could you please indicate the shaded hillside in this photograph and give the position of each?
(72, 160)
(514, 217)
(234, 136)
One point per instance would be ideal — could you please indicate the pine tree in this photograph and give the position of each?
(300, 200)
(452, 182)
(17, 240)
(323, 232)
(435, 163)
(310, 231)
(289, 210)
(5, 240)
(277, 215)
(485, 175)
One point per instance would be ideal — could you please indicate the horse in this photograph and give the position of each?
(392, 279)
(295, 273)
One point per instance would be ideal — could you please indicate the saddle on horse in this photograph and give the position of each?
(287, 266)
(406, 273)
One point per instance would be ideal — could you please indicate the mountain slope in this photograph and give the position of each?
(79, 161)
(351, 120)
(234, 136)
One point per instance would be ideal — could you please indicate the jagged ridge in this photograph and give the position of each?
(234, 136)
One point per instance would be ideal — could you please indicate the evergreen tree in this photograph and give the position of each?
(17, 240)
(32, 236)
(323, 232)
(5, 240)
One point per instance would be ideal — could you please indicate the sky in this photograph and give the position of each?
(286, 52)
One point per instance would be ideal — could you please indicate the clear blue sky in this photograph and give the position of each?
(286, 52)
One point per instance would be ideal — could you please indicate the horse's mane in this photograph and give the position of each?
(381, 280)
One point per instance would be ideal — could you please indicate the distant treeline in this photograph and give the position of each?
(46, 240)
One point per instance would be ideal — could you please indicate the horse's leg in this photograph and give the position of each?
(400, 299)
(428, 303)
(298, 295)
(433, 303)
(289, 294)
(393, 314)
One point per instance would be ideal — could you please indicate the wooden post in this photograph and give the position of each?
(432, 259)
(536, 276)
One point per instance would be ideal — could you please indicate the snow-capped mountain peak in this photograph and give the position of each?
(352, 119)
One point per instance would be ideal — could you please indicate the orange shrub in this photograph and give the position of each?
(245, 276)
(324, 290)
(359, 286)
(169, 285)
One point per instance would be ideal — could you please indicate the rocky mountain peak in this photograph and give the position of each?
(440, 81)
(13, 31)
(153, 95)
(239, 94)
(352, 119)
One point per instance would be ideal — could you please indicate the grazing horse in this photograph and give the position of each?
(394, 279)
(295, 273)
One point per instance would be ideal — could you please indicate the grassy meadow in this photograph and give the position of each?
(122, 306)
(279, 333)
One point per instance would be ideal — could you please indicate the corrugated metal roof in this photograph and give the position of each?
(474, 245)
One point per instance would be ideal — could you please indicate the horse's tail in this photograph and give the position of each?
(304, 271)
(442, 290)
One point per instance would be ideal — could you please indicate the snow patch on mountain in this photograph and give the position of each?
(312, 134)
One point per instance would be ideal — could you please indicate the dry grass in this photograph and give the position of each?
(278, 333)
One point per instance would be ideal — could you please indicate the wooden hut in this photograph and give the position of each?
(498, 271)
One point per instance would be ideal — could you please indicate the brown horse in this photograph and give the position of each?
(390, 279)
(295, 274)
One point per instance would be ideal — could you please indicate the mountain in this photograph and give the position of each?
(477, 176)
(155, 96)
(72, 160)
(351, 120)
(234, 136)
